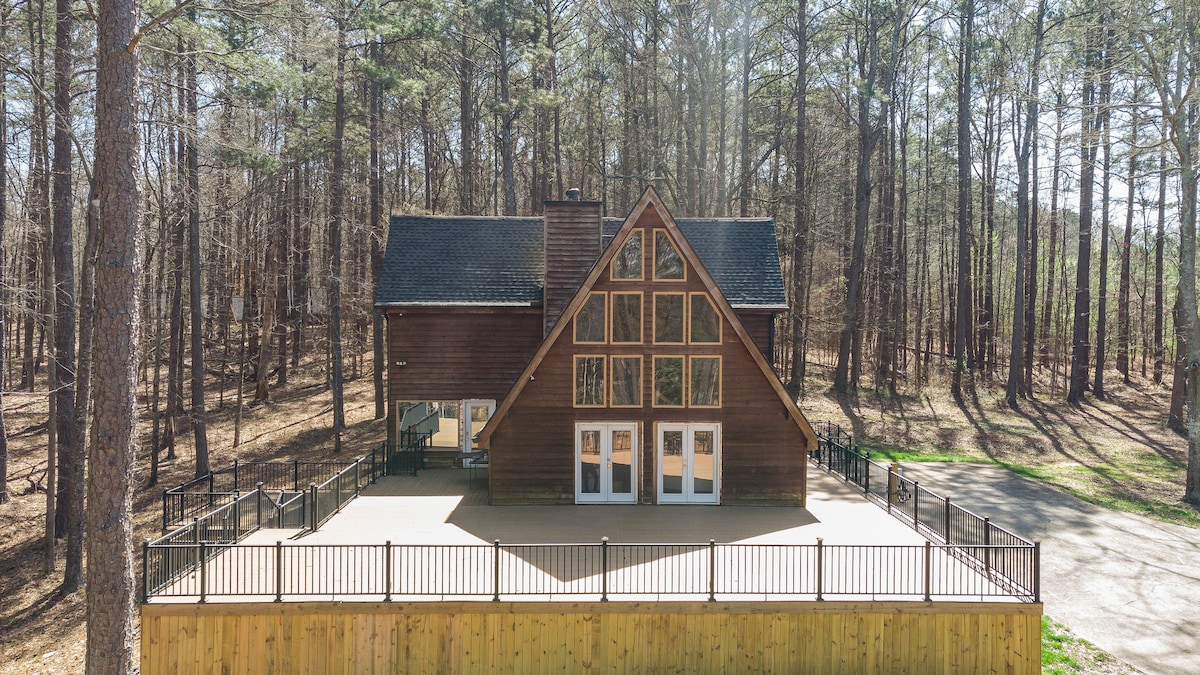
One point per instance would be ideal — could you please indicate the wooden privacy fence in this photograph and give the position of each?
(203, 571)
(929, 513)
(610, 637)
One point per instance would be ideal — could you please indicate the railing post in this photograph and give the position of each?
(145, 570)
(712, 570)
(259, 503)
(1037, 571)
(295, 475)
(928, 569)
(337, 494)
(278, 571)
(357, 475)
(313, 519)
(946, 522)
(603, 569)
(203, 572)
(820, 568)
(916, 505)
(987, 543)
(164, 509)
(387, 571)
(496, 570)
(866, 465)
(236, 484)
(893, 484)
(196, 533)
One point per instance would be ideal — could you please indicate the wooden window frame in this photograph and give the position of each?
(720, 319)
(720, 381)
(575, 326)
(683, 382)
(654, 319)
(612, 266)
(654, 257)
(612, 380)
(575, 380)
(612, 324)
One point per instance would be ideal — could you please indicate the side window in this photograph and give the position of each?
(668, 318)
(589, 320)
(668, 381)
(626, 318)
(705, 322)
(589, 381)
(668, 265)
(627, 264)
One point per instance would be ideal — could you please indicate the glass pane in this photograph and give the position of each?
(668, 381)
(589, 321)
(667, 263)
(672, 462)
(622, 462)
(589, 461)
(706, 323)
(627, 317)
(703, 463)
(668, 317)
(628, 262)
(589, 380)
(706, 381)
(627, 380)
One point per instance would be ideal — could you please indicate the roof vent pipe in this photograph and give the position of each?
(573, 195)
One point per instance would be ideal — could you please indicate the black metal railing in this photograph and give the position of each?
(973, 538)
(217, 488)
(407, 454)
(603, 570)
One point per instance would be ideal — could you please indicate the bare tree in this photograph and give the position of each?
(110, 579)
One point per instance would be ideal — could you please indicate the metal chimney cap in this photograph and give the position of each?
(573, 195)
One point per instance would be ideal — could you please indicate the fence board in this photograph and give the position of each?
(830, 636)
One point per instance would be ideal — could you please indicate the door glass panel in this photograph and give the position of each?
(622, 462)
(703, 466)
(672, 462)
(589, 461)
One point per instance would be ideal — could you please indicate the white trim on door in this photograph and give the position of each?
(610, 475)
(688, 461)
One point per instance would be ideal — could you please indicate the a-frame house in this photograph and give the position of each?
(647, 385)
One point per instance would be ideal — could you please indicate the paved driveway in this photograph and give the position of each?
(1128, 584)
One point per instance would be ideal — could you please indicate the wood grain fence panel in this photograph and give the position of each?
(518, 637)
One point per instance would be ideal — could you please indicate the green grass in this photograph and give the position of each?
(1065, 654)
(880, 453)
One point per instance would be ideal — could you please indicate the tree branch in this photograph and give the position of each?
(157, 21)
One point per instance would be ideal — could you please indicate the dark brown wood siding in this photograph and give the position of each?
(572, 247)
(452, 354)
(763, 451)
(760, 326)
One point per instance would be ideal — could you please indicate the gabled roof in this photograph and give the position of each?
(499, 261)
(650, 200)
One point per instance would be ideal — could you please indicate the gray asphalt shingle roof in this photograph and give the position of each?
(480, 261)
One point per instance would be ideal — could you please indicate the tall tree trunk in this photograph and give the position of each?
(378, 231)
(1105, 198)
(1160, 237)
(466, 112)
(963, 312)
(4, 12)
(800, 243)
(1048, 305)
(1081, 326)
(110, 579)
(507, 118)
(335, 234)
(747, 71)
(83, 388)
(1025, 149)
(1123, 327)
(192, 159)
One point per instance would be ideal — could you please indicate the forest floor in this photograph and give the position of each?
(1116, 452)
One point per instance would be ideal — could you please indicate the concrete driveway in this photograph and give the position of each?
(1128, 584)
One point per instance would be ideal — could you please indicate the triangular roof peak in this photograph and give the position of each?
(659, 212)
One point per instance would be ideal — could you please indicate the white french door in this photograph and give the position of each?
(689, 462)
(606, 463)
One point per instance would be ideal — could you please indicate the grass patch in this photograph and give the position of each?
(880, 453)
(1065, 654)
